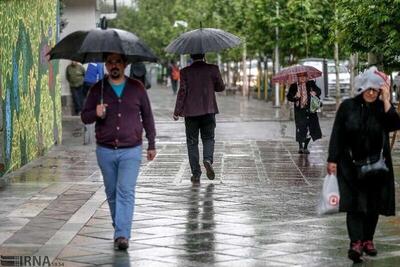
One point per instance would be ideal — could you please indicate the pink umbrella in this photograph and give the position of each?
(289, 75)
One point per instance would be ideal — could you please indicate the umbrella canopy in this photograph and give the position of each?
(202, 40)
(289, 75)
(90, 46)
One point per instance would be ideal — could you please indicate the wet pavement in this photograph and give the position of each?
(259, 211)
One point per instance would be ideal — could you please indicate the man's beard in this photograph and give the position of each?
(115, 73)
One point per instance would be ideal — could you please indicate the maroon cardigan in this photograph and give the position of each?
(198, 84)
(125, 116)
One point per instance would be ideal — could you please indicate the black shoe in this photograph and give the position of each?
(121, 243)
(195, 180)
(301, 151)
(209, 169)
(306, 151)
(355, 252)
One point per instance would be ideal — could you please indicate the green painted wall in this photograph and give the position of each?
(30, 92)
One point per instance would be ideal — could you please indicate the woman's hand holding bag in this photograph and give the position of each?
(330, 197)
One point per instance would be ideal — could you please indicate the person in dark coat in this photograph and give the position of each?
(174, 74)
(307, 123)
(196, 102)
(360, 131)
(138, 71)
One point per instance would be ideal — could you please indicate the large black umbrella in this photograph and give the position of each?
(90, 46)
(202, 40)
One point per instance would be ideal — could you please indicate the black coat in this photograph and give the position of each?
(304, 119)
(360, 130)
(138, 72)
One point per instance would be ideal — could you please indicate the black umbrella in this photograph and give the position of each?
(202, 40)
(90, 46)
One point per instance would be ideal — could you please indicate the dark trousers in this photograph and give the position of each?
(204, 124)
(174, 84)
(86, 88)
(78, 98)
(361, 226)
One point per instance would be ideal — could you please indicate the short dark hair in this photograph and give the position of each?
(123, 57)
(197, 56)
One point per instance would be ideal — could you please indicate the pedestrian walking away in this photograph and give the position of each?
(75, 74)
(174, 75)
(306, 120)
(121, 109)
(138, 71)
(359, 154)
(196, 102)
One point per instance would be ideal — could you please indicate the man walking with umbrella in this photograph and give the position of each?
(196, 96)
(121, 109)
(197, 103)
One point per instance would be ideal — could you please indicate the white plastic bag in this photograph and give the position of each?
(329, 200)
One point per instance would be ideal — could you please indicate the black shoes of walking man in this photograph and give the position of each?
(209, 170)
(121, 243)
(359, 247)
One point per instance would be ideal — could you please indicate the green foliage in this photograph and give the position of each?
(306, 27)
(371, 26)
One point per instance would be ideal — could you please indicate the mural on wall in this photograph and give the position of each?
(30, 93)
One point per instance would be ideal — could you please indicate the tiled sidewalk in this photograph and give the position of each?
(259, 211)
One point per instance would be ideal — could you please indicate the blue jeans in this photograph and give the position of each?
(120, 169)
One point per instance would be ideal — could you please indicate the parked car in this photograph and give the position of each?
(344, 80)
(318, 64)
(344, 77)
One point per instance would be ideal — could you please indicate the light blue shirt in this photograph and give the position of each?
(118, 88)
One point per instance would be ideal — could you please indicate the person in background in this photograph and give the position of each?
(196, 102)
(307, 123)
(138, 71)
(361, 132)
(75, 74)
(94, 73)
(174, 75)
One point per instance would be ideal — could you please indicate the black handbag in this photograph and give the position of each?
(372, 166)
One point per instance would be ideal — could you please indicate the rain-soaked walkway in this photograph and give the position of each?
(260, 210)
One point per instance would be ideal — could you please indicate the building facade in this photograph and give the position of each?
(80, 15)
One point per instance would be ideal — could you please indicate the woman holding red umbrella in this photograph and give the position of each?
(307, 123)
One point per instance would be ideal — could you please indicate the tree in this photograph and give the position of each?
(152, 21)
(370, 26)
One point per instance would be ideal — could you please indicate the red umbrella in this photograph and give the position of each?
(289, 75)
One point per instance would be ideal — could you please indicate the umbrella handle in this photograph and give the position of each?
(102, 98)
(102, 91)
